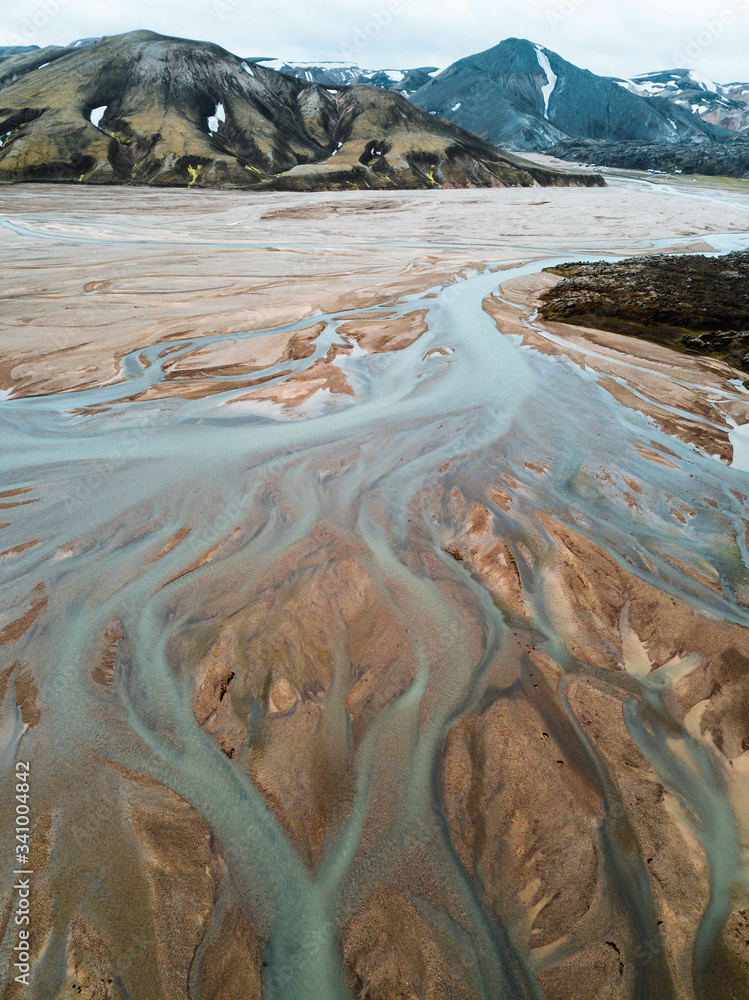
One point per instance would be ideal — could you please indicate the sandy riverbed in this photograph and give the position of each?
(91, 274)
(365, 636)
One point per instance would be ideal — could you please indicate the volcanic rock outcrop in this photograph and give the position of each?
(693, 303)
(724, 159)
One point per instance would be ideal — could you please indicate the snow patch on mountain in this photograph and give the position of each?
(702, 82)
(646, 87)
(97, 114)
(551, 78)
(329, 64)
(216, 118)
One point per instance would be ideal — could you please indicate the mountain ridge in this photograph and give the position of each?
(724, 105)
(334, 74)
(146, 108)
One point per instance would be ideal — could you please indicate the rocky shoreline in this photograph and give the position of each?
(695, 304)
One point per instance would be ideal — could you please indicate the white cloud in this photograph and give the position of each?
(620, 37)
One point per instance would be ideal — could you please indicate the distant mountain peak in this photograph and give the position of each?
(525, 96)
(330, 73)
(715, 104)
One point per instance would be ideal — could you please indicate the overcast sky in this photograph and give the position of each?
(617, 37)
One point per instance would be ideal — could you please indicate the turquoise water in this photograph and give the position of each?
(112, 488)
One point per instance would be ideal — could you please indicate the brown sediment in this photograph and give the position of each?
(208, 556)
(194, 375)
(163, 878)
(173, 860)
(724, 686)
(178, 335)
(688, 428)
(408, 949)
(249, 354)
(180, 536)
(491, 558)
(18, 549)
(653, 456)
(18, 503)
(15, 493)
(104, 668)
(501, 498)
(377, 335)
(536, 467)
(40, 857)
(5, 677)
(302, 386)
(678, 873)
(179, 859)
(26, 695)
(712, 581)
(521, 799)
(232, 962)
(212, 680)
(197, 389)
(654, 371)
(16, 629)
(264, 690)
(517, 801)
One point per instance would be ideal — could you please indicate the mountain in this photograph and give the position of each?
(526, 97)
(724, 105)
(79, 42)
(14, 50)
(17, 50)
(144, 108)
(16, 64)
(404, 81)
